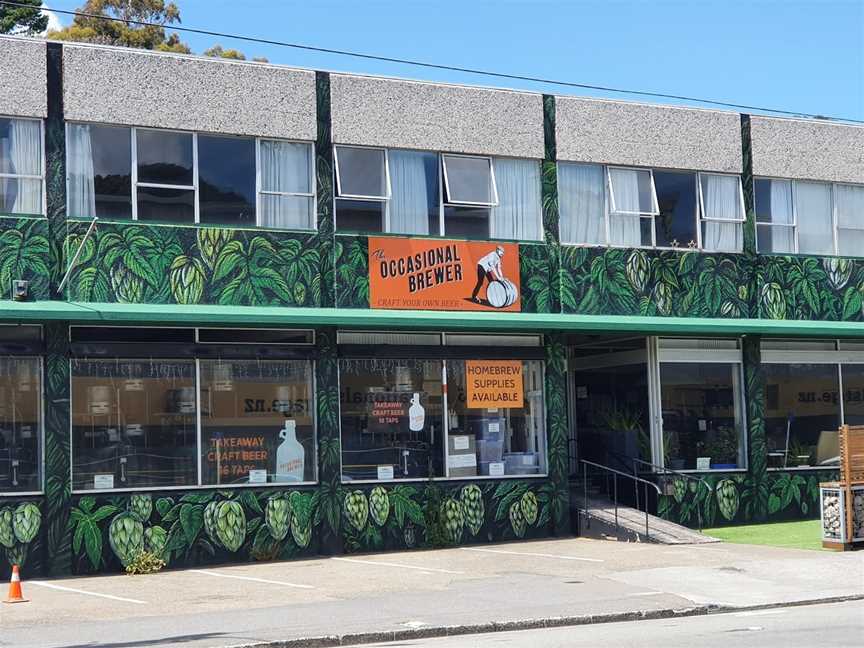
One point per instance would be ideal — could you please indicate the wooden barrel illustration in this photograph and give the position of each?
(502, 294)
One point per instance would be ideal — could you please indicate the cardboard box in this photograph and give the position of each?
(461, 455)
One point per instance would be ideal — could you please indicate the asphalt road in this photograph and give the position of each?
(839, 625)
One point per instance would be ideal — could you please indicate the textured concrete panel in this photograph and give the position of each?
(415, 115)
(23, 78)
(613, 132)
(814, 150)
(122, 86)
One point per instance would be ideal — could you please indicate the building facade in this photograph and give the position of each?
(251, 312)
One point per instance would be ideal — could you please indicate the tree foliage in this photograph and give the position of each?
(218, 51)
(23, 20)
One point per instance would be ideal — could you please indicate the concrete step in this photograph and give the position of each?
(599, 520)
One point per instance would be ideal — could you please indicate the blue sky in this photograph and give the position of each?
(800, 55)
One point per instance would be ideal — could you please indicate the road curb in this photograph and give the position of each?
(429, 632)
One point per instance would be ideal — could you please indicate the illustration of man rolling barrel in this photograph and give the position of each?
(501, 292)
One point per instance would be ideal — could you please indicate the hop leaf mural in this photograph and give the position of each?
(230, 523)
(25, 522)
(473, 507)
(356, 509)
(126, 536)
(142, 506)
(277, 516)
(379, 505)
(187, 276)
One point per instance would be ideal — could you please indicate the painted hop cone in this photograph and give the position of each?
(155, 540)
(128, 287)
(299, 292)
(187, 276)
(773, 301)
(679, 489)
(230, 525)
(7, 534)
(638, 269)
(529, 507)
(379, 505)
(356, 509)
(210, 523)
(663, 298)
(301, 518)
(727, 498)
(409, 535)
(839, 271)
(517, 519)
(211, 240)
(473, 508)
(25, 522)
(277, 516)
(453, 518)
(17, 554)
(142, 506)
(126, 536)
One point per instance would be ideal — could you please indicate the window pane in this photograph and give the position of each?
(361, 172)
(133, 424)
(499, 440)
(414, 200)
(286, 167)
(676, 197)
(850, 242)
(631, 191)
(721, 196)
(173, 205)
(359, 215)
(99, 168)
(849, 200)
(581, 203)
(286, 212)
(853, 409)
(164, 157)
(517, 215)
(257, 421)
(702, 417)
(469, 180)
(392, 418)
(466, 222)
(226, 180)
(775, 239)
(21, 196)
(801, 409)
(20, 146)
(20, 424)
(629, 230)
(815, 224)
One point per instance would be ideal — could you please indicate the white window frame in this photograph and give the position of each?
(313, 194)
(445, 200)
(837, 227)
(338, 194)
(612, 211)
(29, 176)
(793, 224)
(40, 359)
(158, 185)
(702, 218)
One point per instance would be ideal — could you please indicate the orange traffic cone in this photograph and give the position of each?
(15, 595)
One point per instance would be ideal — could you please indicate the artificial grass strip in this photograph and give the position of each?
(803, 534)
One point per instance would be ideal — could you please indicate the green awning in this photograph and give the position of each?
(278, 316)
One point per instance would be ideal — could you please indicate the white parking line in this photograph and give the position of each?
(530, 554)
(642, 594)
(250, 578)
(399, 565)
(78, 591)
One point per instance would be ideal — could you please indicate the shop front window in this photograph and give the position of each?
(496, 418)
(392, 418)
(257, 421)
(133, 424)
(20, 424)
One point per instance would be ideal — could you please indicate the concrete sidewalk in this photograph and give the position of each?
(527, 584)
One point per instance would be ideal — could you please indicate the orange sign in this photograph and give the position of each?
(494, 383)
(422, 274)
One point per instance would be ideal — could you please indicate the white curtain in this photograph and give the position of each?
(409, 200)
(79, 171)
(580, 203)
(624, 229)
(815, 222)
(517, 215)
(849, 203)
(781, 239)
(25, 158)
(286, 168)
(722, 200)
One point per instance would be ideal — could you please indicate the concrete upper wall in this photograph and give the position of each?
(810, 150)
(123, 86)
(589, 130)
(23, 73)
(415, 115)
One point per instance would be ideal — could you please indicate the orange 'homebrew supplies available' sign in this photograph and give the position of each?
(424, 274)
(494, 383)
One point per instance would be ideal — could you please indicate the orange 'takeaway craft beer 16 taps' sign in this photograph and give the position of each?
(424, 274)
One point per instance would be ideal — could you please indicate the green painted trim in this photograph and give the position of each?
(213, 315)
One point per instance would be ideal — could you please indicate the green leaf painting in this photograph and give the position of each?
(808, 288)
(24, 254)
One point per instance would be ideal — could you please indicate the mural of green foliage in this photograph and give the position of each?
(539, 294)
(324, 186)
(557, 430)
(810, 288)
(24, 254)
(21, 536)
(329, 445)
(653, 282)
(352, 271)
(728, 499)
(138, 263)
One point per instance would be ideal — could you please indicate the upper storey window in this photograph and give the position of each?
(633, 207)
(180, 177)
(794, 216)
(21, 166)
(422, 193)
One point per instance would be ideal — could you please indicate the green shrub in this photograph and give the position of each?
(144, 562)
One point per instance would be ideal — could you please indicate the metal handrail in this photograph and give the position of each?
(616, 473)
(663, 470)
